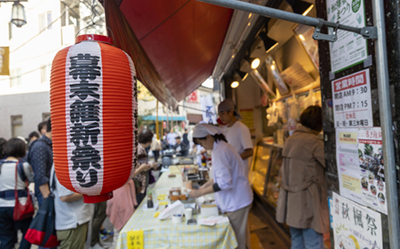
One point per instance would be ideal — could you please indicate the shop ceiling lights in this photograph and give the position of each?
(300, 7)
(269, 43)
(255, 63)
(93, 100)
(18, 14)
(235, 84)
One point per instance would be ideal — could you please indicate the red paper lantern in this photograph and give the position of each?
(93, 114)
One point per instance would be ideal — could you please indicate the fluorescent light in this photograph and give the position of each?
(308, 10)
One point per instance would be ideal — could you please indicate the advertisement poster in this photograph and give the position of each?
(352, 104)
(371, 163)
(355, 226)
(350, 48)
(348, 164)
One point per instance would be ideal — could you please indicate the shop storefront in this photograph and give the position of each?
(346, 78)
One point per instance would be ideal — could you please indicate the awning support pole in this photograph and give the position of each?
(386, 124)
(157, 130)
(369, 32)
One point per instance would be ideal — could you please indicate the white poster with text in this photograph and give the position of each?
(355, 226)
(348, 164)
(350, 48)
(351, 96)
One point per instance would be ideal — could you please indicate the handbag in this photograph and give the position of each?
(42, 231)
(22, 212)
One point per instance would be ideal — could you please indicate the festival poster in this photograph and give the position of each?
(355, 226)
(347, 162)
(373, 187)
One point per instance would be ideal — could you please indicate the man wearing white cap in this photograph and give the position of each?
(237, 134)
(230, 184)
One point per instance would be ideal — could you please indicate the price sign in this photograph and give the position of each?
(135, 239)
(352, 100)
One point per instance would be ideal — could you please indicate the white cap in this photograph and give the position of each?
(202, 130)
(22, 138)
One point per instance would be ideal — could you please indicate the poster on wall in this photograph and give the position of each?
(248, 119)
(350, 48)
(355, 226)
(370, 153)
(352, 105)
(348, 164)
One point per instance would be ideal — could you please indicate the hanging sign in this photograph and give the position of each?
(207, 106)
(350, 48)
(352, 100)
(370, 152)
(355, 226)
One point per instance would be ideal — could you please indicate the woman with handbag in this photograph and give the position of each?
(16, 206)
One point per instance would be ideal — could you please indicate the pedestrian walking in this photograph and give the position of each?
(14, 150)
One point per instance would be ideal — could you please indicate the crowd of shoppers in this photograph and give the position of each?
(301, 205)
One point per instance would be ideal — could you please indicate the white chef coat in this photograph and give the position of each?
(231, 176)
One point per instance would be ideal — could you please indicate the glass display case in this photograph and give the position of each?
(259, 167)
(264, 174)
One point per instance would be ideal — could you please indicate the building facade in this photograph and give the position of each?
(51, 25)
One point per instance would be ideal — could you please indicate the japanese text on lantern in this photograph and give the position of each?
(84, 117)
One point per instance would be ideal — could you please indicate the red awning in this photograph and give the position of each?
(181, 38)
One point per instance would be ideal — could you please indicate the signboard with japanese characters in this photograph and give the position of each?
(355, 226)
(350, 48)
(347, 163)
(371, 163)
(352, 100)
(193, 97)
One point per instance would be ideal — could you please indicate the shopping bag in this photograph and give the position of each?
(22, 212)
(42, 231)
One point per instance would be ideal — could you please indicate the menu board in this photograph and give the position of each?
(352, 104)
(350, 48)
(354, 226)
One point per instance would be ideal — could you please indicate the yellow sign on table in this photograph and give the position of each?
(135, 239)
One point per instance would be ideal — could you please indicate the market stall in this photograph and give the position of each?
(158, 233)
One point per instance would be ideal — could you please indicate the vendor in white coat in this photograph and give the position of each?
(230, 185)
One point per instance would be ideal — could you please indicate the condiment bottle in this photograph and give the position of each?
(150, 201)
